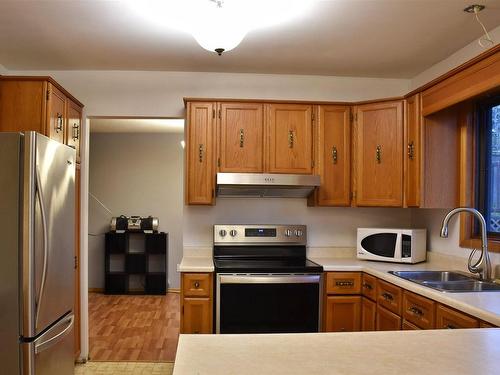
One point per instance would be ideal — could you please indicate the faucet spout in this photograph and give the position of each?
(483, 265)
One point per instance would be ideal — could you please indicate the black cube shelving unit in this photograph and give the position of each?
(136, 263)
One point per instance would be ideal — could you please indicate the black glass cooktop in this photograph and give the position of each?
(290, 265)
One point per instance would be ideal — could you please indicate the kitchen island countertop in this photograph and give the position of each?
(466, 351)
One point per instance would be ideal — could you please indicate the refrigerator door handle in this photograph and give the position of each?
(39, 194)
(40, 347)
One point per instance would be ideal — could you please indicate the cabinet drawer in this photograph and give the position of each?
(451, 319)
(369, 286)
(389, 296)
(486, 325)
(419, 310)
(407, 326)
(343, 283)
(196, 284)
(387, 321)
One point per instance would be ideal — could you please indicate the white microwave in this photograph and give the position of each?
(392, 245)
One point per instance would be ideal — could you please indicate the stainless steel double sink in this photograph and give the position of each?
(448, 281)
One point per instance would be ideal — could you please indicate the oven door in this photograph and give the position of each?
(268, 303)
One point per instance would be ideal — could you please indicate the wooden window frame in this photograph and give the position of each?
(468, 123)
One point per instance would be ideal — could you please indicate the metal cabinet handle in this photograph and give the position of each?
(415, 310)
(378, 154)
(344, 283)
(59, 123)
(334, 155)
(411, 150)
(196, 284)
(367, 286)
(200, 153)
(290, 139)
(242, 137)
(75, 132)
(388, 297)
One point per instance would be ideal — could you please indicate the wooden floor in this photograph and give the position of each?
(133, 328)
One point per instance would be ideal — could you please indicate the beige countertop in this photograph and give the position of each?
(484, 305)
(472, 351)
(196, 259)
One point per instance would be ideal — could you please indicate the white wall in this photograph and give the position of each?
(458, 58)
(327, 226)
(151, 94)
(3, 69)
(135, 174)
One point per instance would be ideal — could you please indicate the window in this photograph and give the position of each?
(488, 178)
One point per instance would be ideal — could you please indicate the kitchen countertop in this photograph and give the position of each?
(467, 351)
(483, 305)
(196, 259)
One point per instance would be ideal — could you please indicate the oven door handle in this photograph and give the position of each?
(269, 279)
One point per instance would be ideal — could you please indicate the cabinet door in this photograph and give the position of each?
(200, 172)
(343, 314)
(412, 159)
(73, 126)
(241, 138)
(290, 138)
(197, 315)
(379, 154)
(334, 157)
(387, 321)
(76, 309)
(407, 326)
(447, 318)
(56, 108)
(368, 315)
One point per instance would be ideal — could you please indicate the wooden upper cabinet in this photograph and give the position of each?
(333, 155)
(290, 132)
(241, 138)
(413, 157)
(39, 104)
(74, 127)
(56, 106)
(200, 173)
(378, 153)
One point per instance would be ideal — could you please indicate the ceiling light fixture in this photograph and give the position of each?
(219, 25)
(475, 9)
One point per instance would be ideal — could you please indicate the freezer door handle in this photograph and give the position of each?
(39, 194)
(47, 343)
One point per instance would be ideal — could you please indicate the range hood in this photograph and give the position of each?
(261, 185)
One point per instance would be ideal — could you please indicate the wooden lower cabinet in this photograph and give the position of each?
(407, 326)
(197, 315)
(196, 303)
(387, 321)
(368, 315)
(419, 310)
(343, 314)
(447, 318)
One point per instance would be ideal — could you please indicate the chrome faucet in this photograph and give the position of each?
(483, 265)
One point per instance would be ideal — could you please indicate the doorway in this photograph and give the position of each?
(135, 169)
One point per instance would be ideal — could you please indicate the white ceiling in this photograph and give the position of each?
(371, 38)
(120, 125)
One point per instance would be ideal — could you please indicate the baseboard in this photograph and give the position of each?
(173, 290)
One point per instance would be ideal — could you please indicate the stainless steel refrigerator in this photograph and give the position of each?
(37, 218)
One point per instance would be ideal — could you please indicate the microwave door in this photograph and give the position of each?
(382, 245)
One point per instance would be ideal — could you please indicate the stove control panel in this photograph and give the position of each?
(259, 234)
